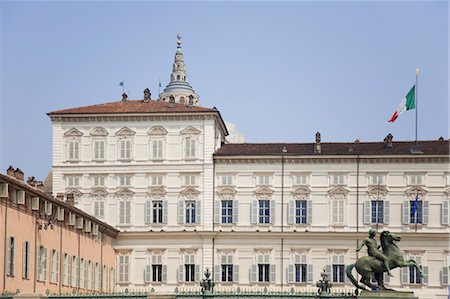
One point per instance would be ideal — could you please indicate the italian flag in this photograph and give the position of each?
(408, 103)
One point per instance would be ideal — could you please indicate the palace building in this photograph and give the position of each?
(273, 215)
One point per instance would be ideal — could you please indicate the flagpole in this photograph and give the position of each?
(416, 203)
(378, 199)
(416, 98)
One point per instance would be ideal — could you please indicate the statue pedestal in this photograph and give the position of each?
(387, 295)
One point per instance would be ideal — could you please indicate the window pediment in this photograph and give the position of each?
(156, 192)
(263, 193)
(124, 191)
(377, 192)
(157, 131)
(226, 193)
(338, 192)
(301, 192)
(411, 192)
(99, 191)
(190, 131)
(73, 133)
(189, 193)
(125, 132)
(99, 132)
(447, 192)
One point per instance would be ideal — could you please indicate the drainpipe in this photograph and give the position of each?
(60, 257)
(35, 251)
(284, 150)
(6, 245)
(357, 206)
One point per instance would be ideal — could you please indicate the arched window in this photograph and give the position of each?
(171, 100)
(191, 100)
(178, 77)
(182, 100)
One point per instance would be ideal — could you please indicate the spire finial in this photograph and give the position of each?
(179, 41)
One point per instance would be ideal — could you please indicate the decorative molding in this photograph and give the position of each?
(190, 131)
(124, 194)
(75, 192)
(157, 192)
(416, 191)
(99, 191)
(377, 192)
(263, 193)
(189, 193)
(99, 132)
(125, 132)
(338, 193)
(73, 133)
(157, 131)
(226, 193)
(301, 193)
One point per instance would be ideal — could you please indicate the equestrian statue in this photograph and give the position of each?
(379, 261)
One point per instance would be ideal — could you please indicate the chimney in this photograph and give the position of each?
(40, 186)
(10, 171)
(147, 95)
(18, 174)
(31, 181)
(60, 196)
(388, 140)
(124, 96)
(70, 199)
(317, 147)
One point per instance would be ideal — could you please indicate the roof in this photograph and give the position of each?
(134, 106)
(438, 147)
(111, 231)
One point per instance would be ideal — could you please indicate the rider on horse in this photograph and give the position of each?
(373, 250)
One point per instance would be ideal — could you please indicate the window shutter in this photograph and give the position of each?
(367, 212)
(405, 275)
(291, 217)
(253, 273)
(147, 273)
(309, 211)
(406, 212)
(254, 212)
(164, 211)
(310, 273)
(445, 214)
(217, 210)
(386, 277)
(20, 197)
(181, 273)
(444, 276)
(329, 272)
(235, 211)
(425, 275)
(197, 272)
(290, 273)
(24, 260)
(236, 273)
(217, 274)
(45, 264)
(57, 266)
(164, 273)
(272, 212)
(425, 212)
(148, 212)
(181, 213)
(272, 273)
(386, 215)
(198, 212)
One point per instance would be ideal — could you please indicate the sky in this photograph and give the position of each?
(279, 70)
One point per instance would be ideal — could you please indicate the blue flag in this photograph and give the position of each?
(121, 83)
(415, 205)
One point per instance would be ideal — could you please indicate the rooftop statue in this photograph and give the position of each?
(379, 261)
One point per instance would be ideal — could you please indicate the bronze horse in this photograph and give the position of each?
(366, 266)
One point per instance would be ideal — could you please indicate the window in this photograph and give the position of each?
(376, 179)
(98, 181)
(99, 149)
(42, 264)
(66, 270)
(299, 271)
(416, 179)
(90, 276)
(104, 278)
(73, 150)
(190, 180)
(125, 212)
(97, 276)
(263, 180)
(227, 268)
(157, 148)
(190, 212)
(190, 147)
(263, 268)
(124, 261)
(157, 211)
(54, 269)
(226, 180)
(189, 267)
(264, 211)
(337, 179)
(73, 181)
(125, 181)
(156, 180)
(26, 260)
(377, 211)
(81, 285)
(10, 257)
(410, 275)
(300, 211)
(75, 267)
(154, 271)
(300, 180)
(227, 211)
(99, 208)
(412, 213)
(416, 211)
(338, 266)
(125, 148)
(337, 211)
